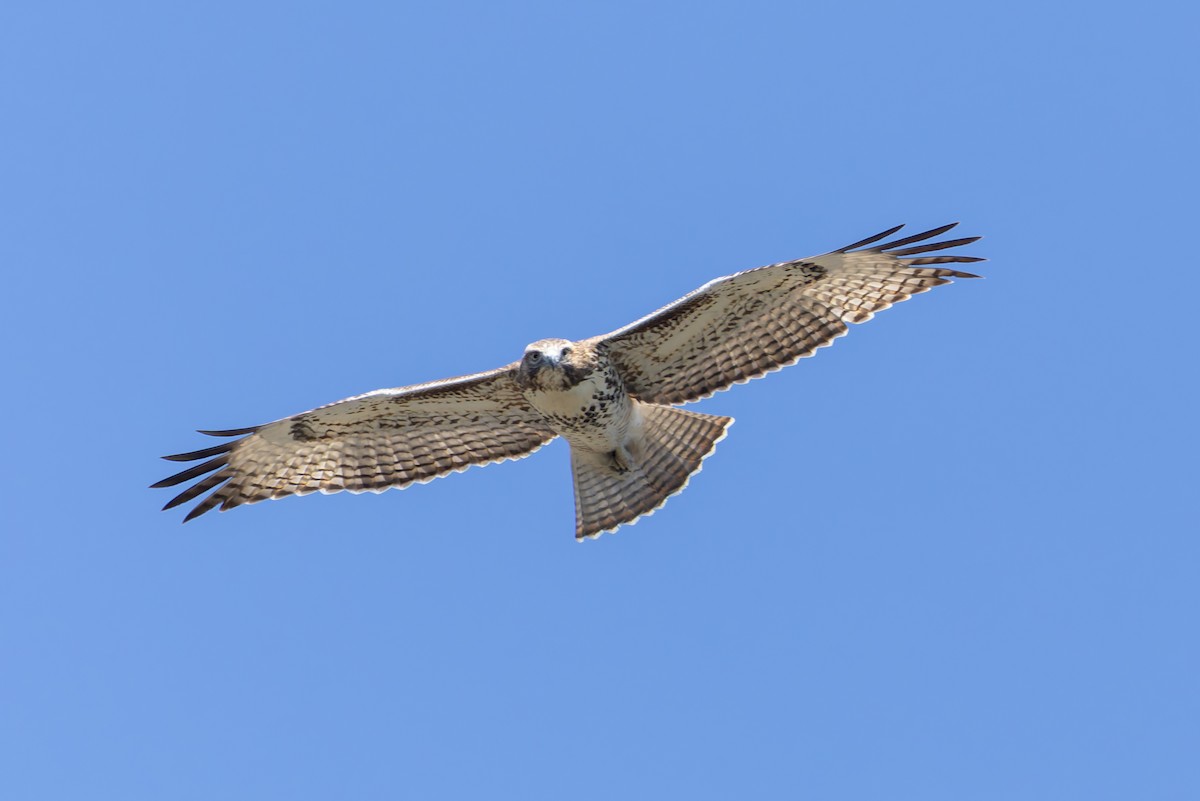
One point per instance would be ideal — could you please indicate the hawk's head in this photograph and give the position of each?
(556, 364)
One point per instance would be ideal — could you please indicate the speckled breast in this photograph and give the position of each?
(594, 414)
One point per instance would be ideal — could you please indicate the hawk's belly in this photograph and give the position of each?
(595, 414)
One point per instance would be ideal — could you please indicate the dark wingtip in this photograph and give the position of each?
(196, 512)
(197, 489)
(193, 472)
(929, 247)
(908, 240)
(870, 239)
(192, 456)
(927, 260)
(229, 432)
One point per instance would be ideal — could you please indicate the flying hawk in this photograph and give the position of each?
(612, 397)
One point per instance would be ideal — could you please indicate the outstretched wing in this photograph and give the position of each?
(387, 438)
(745, 325)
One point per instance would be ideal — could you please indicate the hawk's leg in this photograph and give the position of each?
(621, 459)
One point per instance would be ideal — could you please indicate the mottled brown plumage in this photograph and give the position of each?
(611, 396)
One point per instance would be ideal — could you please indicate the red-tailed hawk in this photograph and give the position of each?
(612, 397)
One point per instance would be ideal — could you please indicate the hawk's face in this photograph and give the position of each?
(556, 364)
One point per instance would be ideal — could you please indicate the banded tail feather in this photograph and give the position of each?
(669, 450)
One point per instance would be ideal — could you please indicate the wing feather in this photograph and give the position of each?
(908, 240)
(870, 240)
(745, 325)
(201, 454)
(373, 442)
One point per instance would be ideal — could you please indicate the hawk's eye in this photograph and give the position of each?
(534, 356)
(566, 352)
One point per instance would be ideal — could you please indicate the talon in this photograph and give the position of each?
(622, 460)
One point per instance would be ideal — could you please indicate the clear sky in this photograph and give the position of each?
(954, 556)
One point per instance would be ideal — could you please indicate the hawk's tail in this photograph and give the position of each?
(672, 445)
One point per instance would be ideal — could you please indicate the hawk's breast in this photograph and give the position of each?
(595, 413)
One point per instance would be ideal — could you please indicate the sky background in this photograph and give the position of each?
(955, 556)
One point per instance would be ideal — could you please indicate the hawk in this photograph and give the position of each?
(613, 397)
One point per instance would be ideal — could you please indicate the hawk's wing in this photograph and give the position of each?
(745, 325)
(387, 438)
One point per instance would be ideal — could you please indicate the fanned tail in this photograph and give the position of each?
(670, 449)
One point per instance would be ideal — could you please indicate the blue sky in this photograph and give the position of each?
(954, 556)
